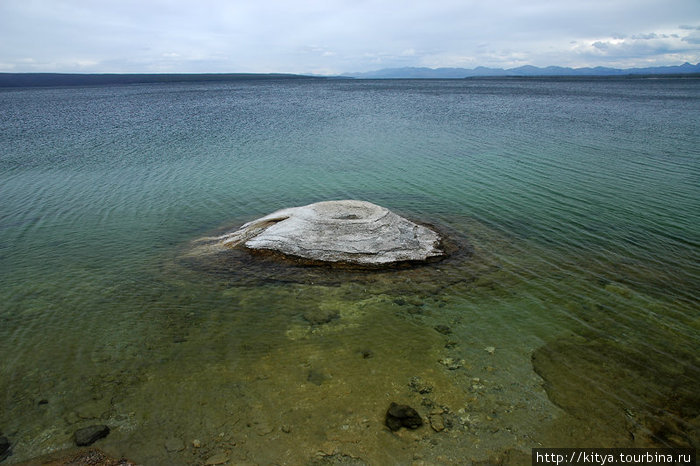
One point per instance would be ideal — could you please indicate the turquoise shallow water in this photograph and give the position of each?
(571, 299)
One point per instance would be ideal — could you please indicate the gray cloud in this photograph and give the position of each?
(340, 35)
(648, 36)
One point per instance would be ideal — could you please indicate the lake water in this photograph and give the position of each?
(566, 315)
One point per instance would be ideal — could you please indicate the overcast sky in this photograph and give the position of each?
(335, 36)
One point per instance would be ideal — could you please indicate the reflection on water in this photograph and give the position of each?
(566, 314)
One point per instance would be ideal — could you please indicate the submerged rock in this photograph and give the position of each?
(219, 458)
(316, 377)
(337, 459)
(444, 329)
(437, 422)
(320, 316)
(89, 435)
(451, 363)
(419, 385)
(352, 232)
(173, 444)
(398, 416)
(4, 447)
(89, 457)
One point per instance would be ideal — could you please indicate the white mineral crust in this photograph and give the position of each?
(348, 231)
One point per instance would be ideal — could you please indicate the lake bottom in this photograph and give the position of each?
(246, 362)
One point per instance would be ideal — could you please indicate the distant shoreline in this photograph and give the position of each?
(77, 79)
(30, 80)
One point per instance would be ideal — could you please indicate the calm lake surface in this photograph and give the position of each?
(567, 314)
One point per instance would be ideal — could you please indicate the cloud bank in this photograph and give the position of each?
(336, 36)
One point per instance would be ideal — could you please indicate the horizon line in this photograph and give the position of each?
(73, 79)
(496, 68)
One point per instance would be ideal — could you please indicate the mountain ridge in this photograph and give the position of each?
(521, 71)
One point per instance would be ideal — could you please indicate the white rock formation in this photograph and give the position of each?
(355, 232)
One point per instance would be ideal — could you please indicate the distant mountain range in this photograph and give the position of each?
(94, 79)
(458, 73)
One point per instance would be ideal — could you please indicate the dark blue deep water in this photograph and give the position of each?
(567, 314)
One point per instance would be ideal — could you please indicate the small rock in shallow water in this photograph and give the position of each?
(490, 349)
(450, 363)
(196, 443)
(174, 444)
(398, 416)
(4, 447)
(219, 458)
(320, 316)
(316, 377)
(89, 435)
(444, 329)
(262, 427)
(81, 457)
(436, 422)
(419, 385)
